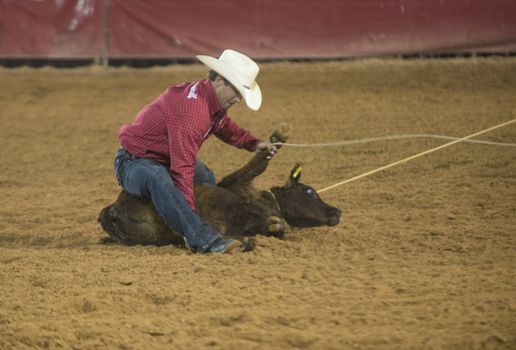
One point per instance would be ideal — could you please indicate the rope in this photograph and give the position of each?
(462, 139)
(392, 137)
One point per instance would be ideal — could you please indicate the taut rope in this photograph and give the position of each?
(394, 137)
(418, 155)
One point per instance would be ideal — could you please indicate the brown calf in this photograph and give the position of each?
(233, 207)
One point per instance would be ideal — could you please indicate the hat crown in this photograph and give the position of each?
(240, 71)
(244, 67)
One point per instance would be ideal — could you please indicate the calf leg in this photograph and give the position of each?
(276, 226)
(256, 166)
(244, 220)
(253, 219)
(245, 175)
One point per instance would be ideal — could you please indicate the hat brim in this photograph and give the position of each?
(252, 94)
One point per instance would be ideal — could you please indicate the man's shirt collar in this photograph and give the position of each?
(214, 106)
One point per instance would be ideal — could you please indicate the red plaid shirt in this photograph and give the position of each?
(172, 129)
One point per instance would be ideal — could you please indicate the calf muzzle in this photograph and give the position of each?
(334, 216)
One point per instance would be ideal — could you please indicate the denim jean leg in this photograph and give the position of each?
(120, 160)
(203, 174)
(151, 179)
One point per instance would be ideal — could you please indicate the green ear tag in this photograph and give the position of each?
(296, 172)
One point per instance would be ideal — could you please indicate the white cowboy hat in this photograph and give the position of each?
(240, 71)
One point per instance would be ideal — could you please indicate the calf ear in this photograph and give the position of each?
(295, 175)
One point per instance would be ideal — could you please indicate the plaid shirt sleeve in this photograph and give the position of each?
(229, 132)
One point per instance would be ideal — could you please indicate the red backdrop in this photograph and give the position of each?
(262, 29)
(50, 28)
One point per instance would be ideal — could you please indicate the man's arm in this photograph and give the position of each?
(231, 133)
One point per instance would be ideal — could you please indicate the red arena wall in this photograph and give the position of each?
(262, 29)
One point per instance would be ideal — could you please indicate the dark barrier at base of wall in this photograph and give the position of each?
(149, 62)
(161, 29)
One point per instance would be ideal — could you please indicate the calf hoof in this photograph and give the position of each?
(249, 243)
(276, 226)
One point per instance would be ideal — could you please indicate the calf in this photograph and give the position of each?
(233, 207)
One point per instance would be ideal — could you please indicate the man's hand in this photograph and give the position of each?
(266, 145)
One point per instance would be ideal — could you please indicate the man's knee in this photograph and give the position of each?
(143, 174)
(158, 175)
(203, 173)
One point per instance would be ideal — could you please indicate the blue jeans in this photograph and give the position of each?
(146, 177)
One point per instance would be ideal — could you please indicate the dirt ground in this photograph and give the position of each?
(424, 257)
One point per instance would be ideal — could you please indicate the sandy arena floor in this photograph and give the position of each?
(423, 259)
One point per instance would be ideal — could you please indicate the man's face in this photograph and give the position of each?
(226, 94)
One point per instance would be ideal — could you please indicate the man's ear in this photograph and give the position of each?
(218, 79)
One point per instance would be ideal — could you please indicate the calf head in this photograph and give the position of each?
(301, 206)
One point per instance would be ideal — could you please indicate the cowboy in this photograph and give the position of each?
(158, 158)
